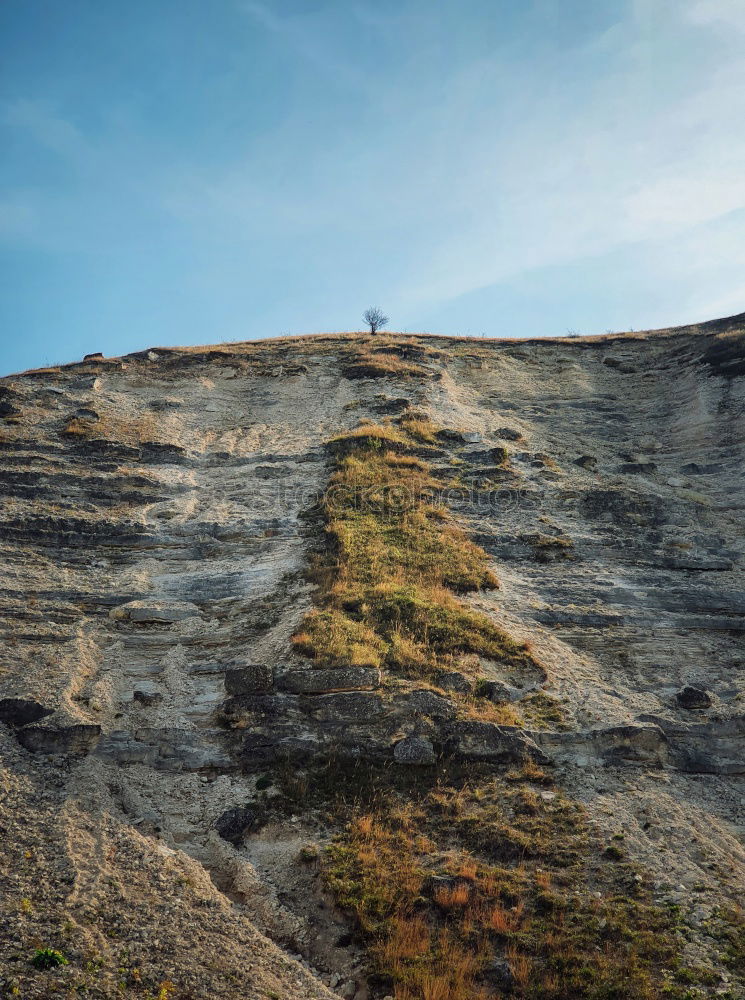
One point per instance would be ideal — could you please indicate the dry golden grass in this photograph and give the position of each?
(408, 938)
(468, 869)
(354, 344)
(453, 898)
(388, 596)
(111, 427)
(394, 564)
(379, 364)
(482, 710)
(520, 967)
(420, 427)
(538, 913)
(367, 436)
(501, 920)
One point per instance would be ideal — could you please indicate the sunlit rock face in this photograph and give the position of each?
(159, 513)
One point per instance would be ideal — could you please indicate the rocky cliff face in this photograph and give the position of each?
(162, 737)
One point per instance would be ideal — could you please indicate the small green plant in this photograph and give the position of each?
(309, 852)
(48, 958)
(165, 991)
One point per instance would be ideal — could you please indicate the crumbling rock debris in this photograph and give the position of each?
(147, 698)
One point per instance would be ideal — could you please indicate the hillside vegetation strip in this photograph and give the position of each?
(479, 886)
(494, 886)
(396, 561)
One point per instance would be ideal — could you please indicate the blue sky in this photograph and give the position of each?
(192, 171)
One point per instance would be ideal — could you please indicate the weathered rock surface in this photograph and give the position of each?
(74, 740)
(21, 711)
(414, 751)
(153, 575)
(326, 681)
(234, 824)
(250, 679)
(490, 743)
(693, 697)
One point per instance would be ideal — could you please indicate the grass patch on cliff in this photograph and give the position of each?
(460, 888)
(480, 890)
(542, 711)
(110, 427)
(380, 364)
(730, 929)
(394, 565)
(420, 427)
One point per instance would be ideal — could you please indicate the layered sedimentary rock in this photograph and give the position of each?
(158, 516)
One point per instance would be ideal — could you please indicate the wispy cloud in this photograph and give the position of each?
(728, 13)
(301, 34)
(48, 129)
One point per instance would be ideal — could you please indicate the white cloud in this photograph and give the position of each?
(640, 157)
(685, 200)
(729, 13)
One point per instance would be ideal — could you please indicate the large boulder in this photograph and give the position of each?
(246, 710)
(253, 678)
(348, 708)
(414, 750)
(152, 612)
(427, 703)
(327, 681)
(77, 741)
(452, 680)
(498, 973)
(234, 824)
(21, 711)
(635, 741)
(488, 742)
(496, 691)
(691, 697)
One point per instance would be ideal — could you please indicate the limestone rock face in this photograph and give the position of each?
(160, 513)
